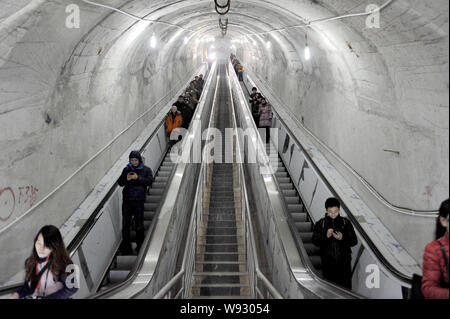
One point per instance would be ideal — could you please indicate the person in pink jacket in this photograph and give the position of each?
(435, 260)
(265, 117)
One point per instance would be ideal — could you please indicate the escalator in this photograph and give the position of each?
(300, 217)
(303, 223)
(105, 272)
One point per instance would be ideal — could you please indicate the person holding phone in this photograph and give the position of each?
(335, 236)
(135, 179)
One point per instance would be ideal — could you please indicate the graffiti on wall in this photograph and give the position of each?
(13, 199)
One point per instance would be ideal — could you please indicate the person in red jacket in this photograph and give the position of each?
(435, 260)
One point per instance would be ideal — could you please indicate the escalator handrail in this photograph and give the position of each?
(140, 261)
(398, 274)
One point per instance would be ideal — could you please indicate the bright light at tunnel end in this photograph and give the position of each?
(307, 53)
(153, 41)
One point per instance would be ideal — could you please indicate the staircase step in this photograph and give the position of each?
(221, 239)
(221, 289)
(218, 278)
(221, 223)
(221, 231)
(211, 267)
(220, 257)
(226, 212)
(221, 248)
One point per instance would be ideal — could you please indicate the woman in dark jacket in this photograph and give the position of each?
(46, 270)
(435, 259)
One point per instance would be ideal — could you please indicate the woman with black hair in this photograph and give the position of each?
(435, 259)
(46, 269)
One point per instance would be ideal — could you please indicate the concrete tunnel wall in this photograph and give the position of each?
(65, 93)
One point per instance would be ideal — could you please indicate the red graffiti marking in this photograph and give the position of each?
(5, 201)
(27, 195)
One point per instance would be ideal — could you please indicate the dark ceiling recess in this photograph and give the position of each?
(223, 26)
(223, 9)
(219, 6)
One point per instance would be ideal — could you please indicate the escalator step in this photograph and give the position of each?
(157, 191)
(151, 206)
(312, 249)
(157, 185)
(163, 174)
(125, 262)
(286, 186)
(149, 215)
(295, 208)
(284, 180)
(316, 261)
(162, 179)
(117, 276)
(299, 217)
(306, 237)
(303, 227)
(153, 199)
(289, 192)
(292, 200)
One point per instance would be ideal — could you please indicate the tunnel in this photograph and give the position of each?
(365, 81)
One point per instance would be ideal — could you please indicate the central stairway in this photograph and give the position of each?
(221, 268)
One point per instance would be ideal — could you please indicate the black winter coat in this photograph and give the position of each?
(186, 112)
(331, 249)
(136, 189)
